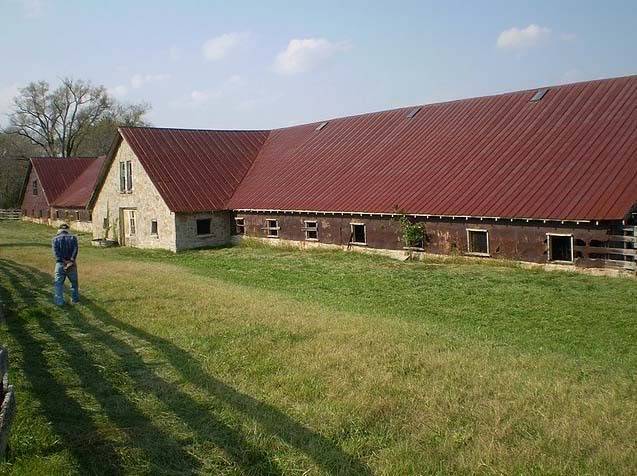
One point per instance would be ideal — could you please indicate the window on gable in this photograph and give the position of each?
(125, 176)
(272, 228)
(358, 235)
(311, 230)
(560, 247)
(122, 176)
(204, 226)
(478, 242)
(77, 216)
(129, 176)
(239, 226)
(153, 228)
(35, 187)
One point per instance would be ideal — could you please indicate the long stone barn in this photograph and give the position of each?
(544, 175)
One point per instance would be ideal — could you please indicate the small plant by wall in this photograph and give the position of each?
(413, 234)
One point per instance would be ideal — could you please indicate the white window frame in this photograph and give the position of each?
(125, 176)
(243, 225)
(351, 227)
(308, 229)
(122, 176)
(548, 248)
(132, 220)
(269, 228)
(129, 176)
(477, 253)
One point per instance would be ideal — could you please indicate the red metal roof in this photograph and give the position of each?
(194, 170)
(570, 156)
(78, 193)
(56, 174)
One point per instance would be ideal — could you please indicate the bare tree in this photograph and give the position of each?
(58, 120)
(98, 138)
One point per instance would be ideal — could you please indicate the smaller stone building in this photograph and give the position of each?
(167, 188)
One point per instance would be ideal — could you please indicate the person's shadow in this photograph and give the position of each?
(166, 452)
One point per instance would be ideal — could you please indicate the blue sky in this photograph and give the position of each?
(245, 65)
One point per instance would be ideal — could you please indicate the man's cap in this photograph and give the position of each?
(63, 226)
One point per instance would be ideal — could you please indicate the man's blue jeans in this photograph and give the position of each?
(60, 276)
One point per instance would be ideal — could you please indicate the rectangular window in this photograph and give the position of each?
(35, 187)
(131, 223)
(58, 215)
(126, 176)
(239, 226)
(478, 242)
(560, 247)
(272, 228)
(358, 235)
(105, 223)
(77, 216)
(129, 176)
(40, 213)
(204, 226)
(122, 177)
(153, 227)
(311, 230)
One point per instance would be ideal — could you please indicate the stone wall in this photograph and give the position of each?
(144, 199)
(221, 227)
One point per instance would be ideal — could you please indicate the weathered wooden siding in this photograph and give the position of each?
(34, 206)
(517, 240)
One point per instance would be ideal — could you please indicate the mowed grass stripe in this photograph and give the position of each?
(169, 367)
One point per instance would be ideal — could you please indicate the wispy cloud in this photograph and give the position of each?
(31, 8)
(118, 91)
(137, 81)
(202, 96)
(568, 36)
(219, 47)
(302, 55)
(7, 93)
(521, 38)
(174, 53)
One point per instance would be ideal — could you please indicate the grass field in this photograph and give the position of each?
(254, 360)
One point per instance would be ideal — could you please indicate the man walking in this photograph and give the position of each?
(65, 249)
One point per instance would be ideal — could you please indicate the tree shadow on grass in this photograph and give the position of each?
(88, 447)
(325, 453)
(69, 419)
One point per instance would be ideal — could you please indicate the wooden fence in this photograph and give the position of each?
(8, 407)
(10, 213)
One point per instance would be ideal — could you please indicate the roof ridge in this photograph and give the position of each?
(453, 101)
(188, 129)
